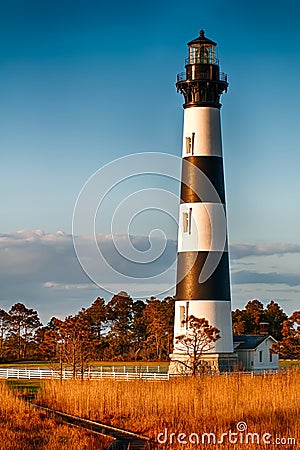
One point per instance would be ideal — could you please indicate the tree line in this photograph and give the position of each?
(286, 330)
(125, 329)
(120, 330)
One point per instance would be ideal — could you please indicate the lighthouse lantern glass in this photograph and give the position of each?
(202, 53)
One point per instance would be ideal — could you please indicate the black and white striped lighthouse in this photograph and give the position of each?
(203, 283)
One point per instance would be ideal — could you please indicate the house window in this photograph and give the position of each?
(271, 357)
(260, 356)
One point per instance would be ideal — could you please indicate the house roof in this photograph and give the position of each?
(249, 342)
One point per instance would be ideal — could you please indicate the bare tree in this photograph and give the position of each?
(199, 338)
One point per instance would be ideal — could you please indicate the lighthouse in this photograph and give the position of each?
(203, 282)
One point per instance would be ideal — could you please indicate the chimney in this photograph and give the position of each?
(264, 328)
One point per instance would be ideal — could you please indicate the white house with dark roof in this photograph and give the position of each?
(254, 352)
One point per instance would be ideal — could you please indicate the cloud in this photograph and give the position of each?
(50, 258)
(252, 277)
(239, 251)
(67, 287)
(33, 256)
(42, 270)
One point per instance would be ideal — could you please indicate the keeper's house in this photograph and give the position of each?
(254, 352)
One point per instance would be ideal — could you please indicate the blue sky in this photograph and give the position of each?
(85, 82)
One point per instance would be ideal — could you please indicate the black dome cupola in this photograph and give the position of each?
(202, 83)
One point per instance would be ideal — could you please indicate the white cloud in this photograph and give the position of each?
(67, 287)
(239, 251)
(42, 269)
(252, 277)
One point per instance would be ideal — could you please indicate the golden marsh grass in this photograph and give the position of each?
(23, 428)
(212, 404)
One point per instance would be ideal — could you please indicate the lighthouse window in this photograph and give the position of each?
(185, 217)
(188, 144)
(204, 55)
(194, 52)
(182, 315)
(187, 221)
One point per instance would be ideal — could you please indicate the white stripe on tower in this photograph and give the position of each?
(204, 122)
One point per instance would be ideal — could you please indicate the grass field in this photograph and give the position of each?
(23, 428)
(93, 364)
(24, 386)
(289, 363)
(267, 404)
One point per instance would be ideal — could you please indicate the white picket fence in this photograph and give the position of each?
(48, 374)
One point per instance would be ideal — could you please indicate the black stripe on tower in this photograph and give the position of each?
(189, 267)
(194, 183)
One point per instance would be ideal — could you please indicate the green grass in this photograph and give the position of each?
(28, 386)
(47, 365)
(289, 363)
(26, 364)
(129, 363)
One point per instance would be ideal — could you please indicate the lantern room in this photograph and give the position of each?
(202, 51)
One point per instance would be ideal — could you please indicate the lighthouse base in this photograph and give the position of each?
(181, 363)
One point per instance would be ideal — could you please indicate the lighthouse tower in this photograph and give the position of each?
(203, 283)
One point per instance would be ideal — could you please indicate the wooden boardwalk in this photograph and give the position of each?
(123, 439)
